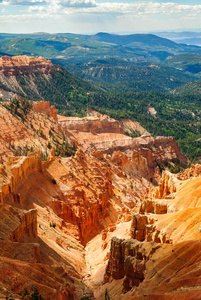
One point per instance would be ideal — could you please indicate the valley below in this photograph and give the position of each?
(104, 222)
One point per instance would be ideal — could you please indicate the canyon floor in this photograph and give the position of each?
(105, 223)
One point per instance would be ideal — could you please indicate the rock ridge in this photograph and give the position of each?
(21, 64)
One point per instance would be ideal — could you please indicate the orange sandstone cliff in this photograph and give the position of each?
(28, 67)
(11, 66)
(105, 218)
(162, 258)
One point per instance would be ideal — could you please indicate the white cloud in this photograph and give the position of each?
(92, 16)
(23, 2)
(137, 8)
(78, 3)
(36, 8)
(90, 6)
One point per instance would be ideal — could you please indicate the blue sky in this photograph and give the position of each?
(91, 16)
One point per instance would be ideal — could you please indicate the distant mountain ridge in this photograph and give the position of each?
(77, 48)
(149, 39)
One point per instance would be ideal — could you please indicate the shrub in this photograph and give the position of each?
(54, 181)
(52, 224)
(36, 296)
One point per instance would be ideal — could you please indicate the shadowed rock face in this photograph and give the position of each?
(128, 260)
(24, 258)
(156, 270)
(26, 228)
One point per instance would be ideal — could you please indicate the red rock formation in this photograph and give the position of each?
(86, 203)
(26, 228)
(83, 196)
(45, 108)
(93, 124)
(20, 169)
(104, 134)
(166, 188)
(139, 163)
(25, 260)
(128, 259)
(154, 206)
(193, 171)
(138, 227)
(161, 271)
(17, 65)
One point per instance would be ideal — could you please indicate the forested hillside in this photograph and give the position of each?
(122, 75)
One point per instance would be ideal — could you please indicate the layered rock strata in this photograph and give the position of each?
(22, 64)
(106, 135)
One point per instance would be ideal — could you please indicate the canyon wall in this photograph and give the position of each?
(21, 64)
(128, 260)
(20, 169)
(27, 227)
(106, 135)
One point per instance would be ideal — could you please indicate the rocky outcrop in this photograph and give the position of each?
(92, 124)
(136, 165)
(37, 131)
(138, 227)
(143, 228)
(140, 163)
(131, 126)
(171, 272)
(86, 203)
(20, 169)
(166, 188)
(128, 259)
(5, 95)
(154, 206)
(193, 171)
(104, 134)
(147, 153)
(27, 227)
(45, 108)
(17, 65)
